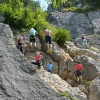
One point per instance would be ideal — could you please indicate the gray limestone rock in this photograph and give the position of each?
(95, 89)
(18, 78)
(77, 23)
(1, 18)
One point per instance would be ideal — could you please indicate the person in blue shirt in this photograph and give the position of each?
(84, 41)
(32, 33)
(49, 67)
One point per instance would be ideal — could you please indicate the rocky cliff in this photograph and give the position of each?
(77, 23)
(18, 78)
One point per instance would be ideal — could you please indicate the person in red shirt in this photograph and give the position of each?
(78, 70)
(38, 57)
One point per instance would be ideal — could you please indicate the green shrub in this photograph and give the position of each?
(93, 49)
(62, 36)
(87, 83)
(79, 10)
(66, 95)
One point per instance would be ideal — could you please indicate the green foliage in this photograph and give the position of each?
(93, 3)
(22, 18)
(19, 16)
(62, 36)
(56, 3)
(79, 10)
(86, 5)
(93, 49)
(87, 83)
(70, 9)
(66, 95)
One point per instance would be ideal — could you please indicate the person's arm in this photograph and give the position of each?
(24, 45)
(43, 34)
(36, 32)
(41, 57)
(16, 43)
(31, 57)
(51, 66)
(51, 33)
(82, 67)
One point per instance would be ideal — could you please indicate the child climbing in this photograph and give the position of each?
(32, 37)
(20, 45)
(38, 58)
(48, 38)
(49, 67)
(78, 71)
(84, 41)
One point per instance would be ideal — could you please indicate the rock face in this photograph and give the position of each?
(18, 78)
(93, 42)
(91, 68)
(58, 54)
(95, 89)
(60, 85)
(94, 17)
(44, 61)
(77, 23)
(1, 18)
(29, 48)
(71, 49)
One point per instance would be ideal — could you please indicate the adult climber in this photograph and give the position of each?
(78, 71)
(48, 39)
(32, 37)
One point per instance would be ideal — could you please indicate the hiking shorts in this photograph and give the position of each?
(20, 47)
(78, 73)
(49, 70)
(37, 63)
(32, 39)
(84, 42)
(48, 39)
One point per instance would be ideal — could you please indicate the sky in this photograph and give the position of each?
(43, 4)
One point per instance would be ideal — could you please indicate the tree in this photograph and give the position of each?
(57, 3)
(32, 4)
(93, 3)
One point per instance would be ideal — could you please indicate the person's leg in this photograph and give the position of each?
(22, 50)
(48, 70)
(47, 46)
(82, 43)
(34, 41)
(77, 79)
(30, 40)
(80, 78)
(36, 63)
(46, 40)
(77, 76)
(80, 75)
(34, 44)
(50, 44)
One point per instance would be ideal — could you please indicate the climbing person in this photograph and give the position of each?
(38, 58)
(78, 71)
(32, 37)
(48, 38)
(84, 41)
(20, 45)
(49, 66)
